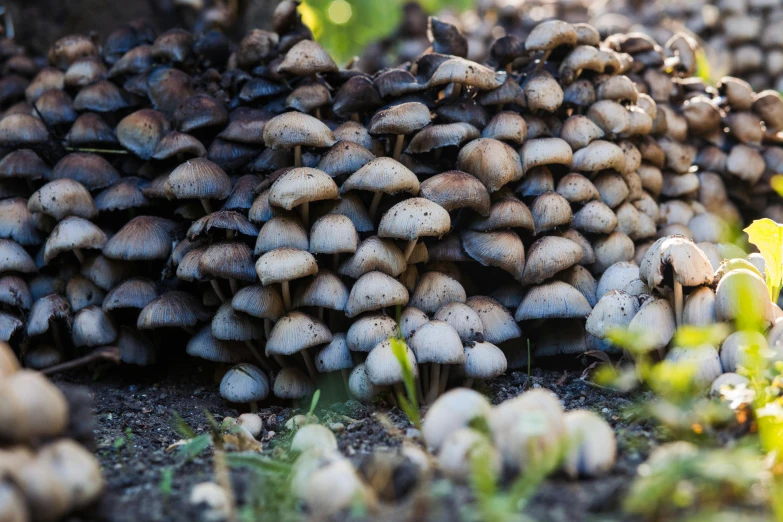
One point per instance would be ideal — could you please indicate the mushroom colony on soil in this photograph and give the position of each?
(286, 218)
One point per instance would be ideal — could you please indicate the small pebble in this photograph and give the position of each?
(337, 427)
(412, 433)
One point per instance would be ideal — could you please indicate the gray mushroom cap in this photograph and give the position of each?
(49, 308)
(244, 383)
(73, 233)
(285, 264)
(92, 327)
(484, 360)
(293, 129)
(259, 301)
(198, 178)
(436, 289)
(333, 234)
(555, 299)
(373, 291)
(334, 356)
(499, 324)
(369, 330)
(231, 325)
(463, 319)
(302, 185)
(360, 386)
(375, 253)
(453, 410)
(437, 342)
(292, 383)
(61, 198)
(143, 238)
(382, 366)
(325, 290)
(400, 119)
(296, 331)
(172, 309)
(689, 264)
(205, 346)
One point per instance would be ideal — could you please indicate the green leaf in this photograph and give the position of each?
(703, 70)
(194, 446)
(257, 463)
(182, 427)
(166, 482)
(768, 238)
(410, 405)
(691, 336)
(314, 402)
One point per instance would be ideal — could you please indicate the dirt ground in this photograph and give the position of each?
(137, 406)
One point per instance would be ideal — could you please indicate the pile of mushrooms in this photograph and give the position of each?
(270, 212)
(44, 475)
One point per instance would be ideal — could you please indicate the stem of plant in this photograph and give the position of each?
(207, 205)
(409, 248)
(376, 200)
(335, 262)
(253, 407)
(398, 147)
(305, 210)
(543, 60)
(267, 327)
(258, 357)
(678, 302)
(104, 354)
(298, 156)
(444, 379)
(232, 283)
(346, 376)
(216, 287)
(286, 295)
(79, 255)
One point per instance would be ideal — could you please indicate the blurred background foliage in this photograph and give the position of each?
(344, 27)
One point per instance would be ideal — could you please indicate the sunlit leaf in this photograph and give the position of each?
(776, 182)
(634, 341)
(768, 238)
(257, 463)
(703, 70)
(192, 447)
(691, 336)
(409, 405)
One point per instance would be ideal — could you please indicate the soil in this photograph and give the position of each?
(138, 407)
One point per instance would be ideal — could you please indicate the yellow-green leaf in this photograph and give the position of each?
(768, 238)
(776, 182)
(691, 336)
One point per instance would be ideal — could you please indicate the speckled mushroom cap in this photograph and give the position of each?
(259, 301)
(400, 119)
(296, 331)
(244, 383)
(689, 264)
(374, 291)
(437, 342)
(73, 233)
(292, 383)
(142, 238)
(198, 178)
(493, 162)
(414, 218)
(385, 175)
(382, 366)
(61, 198)
(551, 300)
(334, 356)
(466, 72)
(293, 129)
(484, 360)
(369, 330)
(453, 410)
(285, 264)
(305, 58)
(172, 309)
(302, 185)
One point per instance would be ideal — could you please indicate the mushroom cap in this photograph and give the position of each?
(61, 198)
(375, 253)
(655, 319)
(314, 437)
(456, 189)
(23, 164)
(484, 360)
(259, 301)
(453, 410)
(704, 360)
(198, 178)
(410, 319)
(172, 309)
(18, 223)
(414, 218)
(344, 157)
(436, 289)
(295, 129)
(90, 170)
(360, 386)
(466, 72)
(437, 342)
(734, 350)
(543, 93)
(435, 136)
(325, 290)
(461, 448)
(580, 278)
(742, 292)
(205, 346)
(228, 260)
(577, 189)
(334, 356)
(222, 220)
(506, 126)
(92, 327)
(124, 194)
(280, 232)
(305, 58)
(72, 233)
(296, 331)
(404, 118)
(373, 291)
(617, 277)
(545, 151)
(9, 326)
(49, 308)
(382, 366)
(503, 249)
(14, 292)
(493, 162)
(615, 309)
(350, 206)
(22, 129)
(244, 383)
(302, 185)
(81, 292)
(599, 155)
(32, 407)
(136, 292)
(593, 448)
(333, 234)
(177, 143)
(552, 300)
(369, 330)
(460, 316)
(385, 175)
(285, 264)
(548, 256)
(141, 132)
(292, 383)
(690, 267)
(230, 325)
(595, 218)
(550, 34)
(143, 238)
(550, 210)
(699, 307)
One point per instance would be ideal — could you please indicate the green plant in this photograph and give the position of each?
(410, 404)
(768, 238)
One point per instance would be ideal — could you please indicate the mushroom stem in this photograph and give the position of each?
(425, 376)
(409, 248)
(398, 146)
(216, 287)
(468, 383)
(58, 339)
(79, 255)
(677, 302)
(309, 363)
(419, 390)
(444, 379)
(267, 327)
(335, 262)
(376, 200)
(355, 117)
(207, 205)
(253, 407)
(107, 354)
(543, 59)
(399, 390)
(346, 375)
(434, 382)
(508, 68)
(258, 357)
(305, 210)
(318, 113)
(298, 156)
(279, 360)
(232, 283)
(286, 295)
(391, 400)
(321, 313)
(456, 89)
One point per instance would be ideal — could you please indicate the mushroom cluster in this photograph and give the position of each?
(275, 213)
(44, 475)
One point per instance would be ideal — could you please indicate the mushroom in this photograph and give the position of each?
(382, 176)
(414, 218)
(483, 361)
(384, 369)
(592, 447)
(283, 265)
(400, 120)
(438, 343)
(245, 383)
(299, 187)
(294, 333)
(200, 179)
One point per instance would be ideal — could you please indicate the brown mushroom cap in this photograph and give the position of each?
(385, 175)
(198, 178)
(493, 162)
(689, 264)
(400, 119)
(293, 129)
(302, 185)
(305, 58)
(414, 218)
